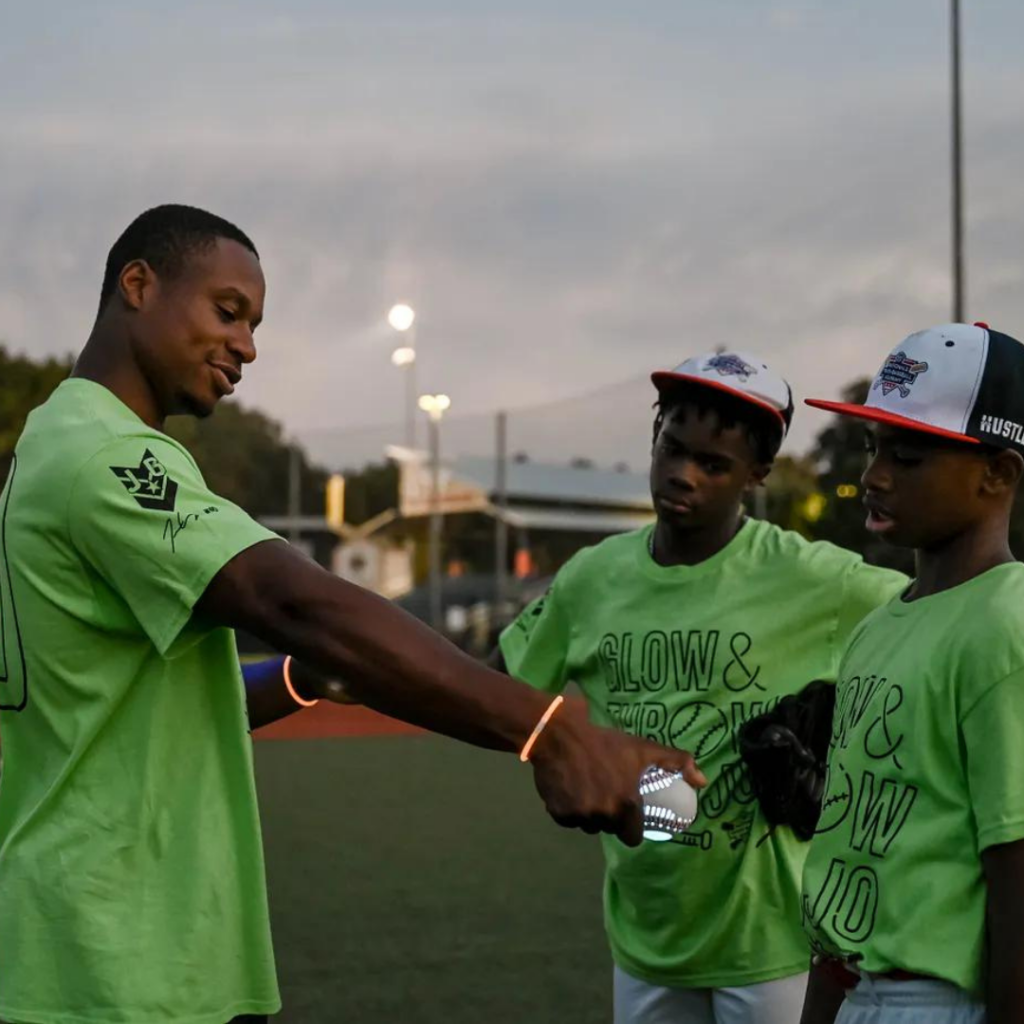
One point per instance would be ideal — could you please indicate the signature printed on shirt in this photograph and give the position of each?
(173, 527)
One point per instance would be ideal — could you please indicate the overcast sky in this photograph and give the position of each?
(570, 194)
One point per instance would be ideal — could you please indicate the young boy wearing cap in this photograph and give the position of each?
(914, 886)
(683, 631)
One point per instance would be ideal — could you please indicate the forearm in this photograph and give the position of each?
(824, 996)
(395, 664)
(267, 697)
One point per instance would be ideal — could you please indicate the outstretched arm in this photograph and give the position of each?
(391, 662)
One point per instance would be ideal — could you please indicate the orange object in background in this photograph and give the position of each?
(523, 566)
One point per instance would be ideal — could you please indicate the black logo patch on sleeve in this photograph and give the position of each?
(148, 483)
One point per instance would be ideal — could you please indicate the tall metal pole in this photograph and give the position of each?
(411, 391)
(435, 522)
(294, 492)
(410, 405)
(501, 503)
(957, 197)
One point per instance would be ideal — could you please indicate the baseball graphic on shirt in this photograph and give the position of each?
(838, 798)
(698, 727)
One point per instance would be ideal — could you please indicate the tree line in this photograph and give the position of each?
(244, 455)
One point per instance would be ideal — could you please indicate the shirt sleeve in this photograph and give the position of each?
(141, 516)
(535, 646)
(992, 731)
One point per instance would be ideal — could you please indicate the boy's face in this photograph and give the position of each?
(699, 471)
(921, 491)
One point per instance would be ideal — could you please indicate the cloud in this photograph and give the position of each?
(566, 203)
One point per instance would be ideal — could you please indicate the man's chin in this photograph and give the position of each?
(190, 405)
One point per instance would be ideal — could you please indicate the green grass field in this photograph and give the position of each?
(417, 881)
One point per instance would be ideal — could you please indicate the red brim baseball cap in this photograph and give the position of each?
(959, 381)
(736, 373)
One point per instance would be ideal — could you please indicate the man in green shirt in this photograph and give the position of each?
(681, 632)
(913, 892)
(131, 869)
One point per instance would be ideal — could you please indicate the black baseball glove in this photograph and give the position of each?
(785, 751)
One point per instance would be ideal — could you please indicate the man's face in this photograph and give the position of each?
(700, 472)
(920, 491)
(194, 332)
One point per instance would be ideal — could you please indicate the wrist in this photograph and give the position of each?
(538, 729)
(558, 733)
(304, 684)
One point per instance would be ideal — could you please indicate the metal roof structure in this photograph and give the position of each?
(543, 482)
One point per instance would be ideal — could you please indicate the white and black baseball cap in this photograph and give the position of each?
(960, 381)
(737, 373)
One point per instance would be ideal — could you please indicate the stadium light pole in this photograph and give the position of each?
(435, 406)
(294, 491)
(957, 164)
(402, 318)
(501, 507)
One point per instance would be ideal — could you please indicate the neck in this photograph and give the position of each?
(961, 558)
(690, 547)
(107, 359)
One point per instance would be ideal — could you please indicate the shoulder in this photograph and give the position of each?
(852, 585)
(981, 627)
(815, 558)
(609, 555)
(134, 455)
(993, 611)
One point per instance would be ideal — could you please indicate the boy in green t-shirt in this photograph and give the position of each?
(913, 892)
(681, 632)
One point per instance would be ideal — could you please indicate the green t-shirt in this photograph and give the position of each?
(684, 655)
(926, 771)
(131, 867)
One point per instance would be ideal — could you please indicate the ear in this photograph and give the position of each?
(758, 475)
(1003, 473)
(136, 284)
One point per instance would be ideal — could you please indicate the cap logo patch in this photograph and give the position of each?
(900, 371)
(731, 366)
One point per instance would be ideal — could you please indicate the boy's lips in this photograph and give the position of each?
(880, 519)
(680, 506)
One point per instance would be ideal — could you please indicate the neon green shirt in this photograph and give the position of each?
(684, 655)
(131, 867)
(926, 771)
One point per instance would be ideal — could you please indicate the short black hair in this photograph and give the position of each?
(165, 237)
(763, 430)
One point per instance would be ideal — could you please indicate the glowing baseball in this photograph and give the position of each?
(670, 804)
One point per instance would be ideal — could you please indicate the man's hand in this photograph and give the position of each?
(589, 777)
(826, 989)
